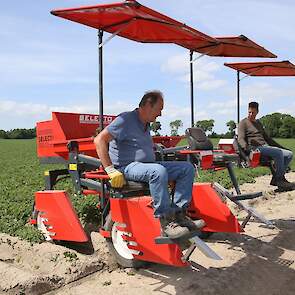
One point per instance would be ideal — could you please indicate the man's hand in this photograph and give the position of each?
(117, 179)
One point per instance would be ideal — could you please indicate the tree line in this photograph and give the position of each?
(19, 133)
(276, 125)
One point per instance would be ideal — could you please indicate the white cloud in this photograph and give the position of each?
(204, 71)
(289, 110)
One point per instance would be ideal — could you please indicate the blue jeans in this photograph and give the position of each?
(157, 175)
(281, 157)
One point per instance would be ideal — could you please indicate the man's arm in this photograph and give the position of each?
(101, 142)
(242, 135)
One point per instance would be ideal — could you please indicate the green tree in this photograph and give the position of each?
(175, 125)
(21, 133)
(272, 124)
(155, 127)
(287, 129)
(3, 134)
(279, 125)
(206, 125)
(231, 127)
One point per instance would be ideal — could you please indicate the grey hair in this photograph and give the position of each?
(152, 97)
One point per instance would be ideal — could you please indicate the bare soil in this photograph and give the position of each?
(260, 261)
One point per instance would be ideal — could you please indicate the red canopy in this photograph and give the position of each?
(240, 46)
(133, 21)
(276, 68)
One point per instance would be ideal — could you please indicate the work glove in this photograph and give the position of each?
(117, 179)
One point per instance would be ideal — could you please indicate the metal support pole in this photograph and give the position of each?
(238, 95)
(100, 72)
(100, 69)
(233, 178)
(192, 88)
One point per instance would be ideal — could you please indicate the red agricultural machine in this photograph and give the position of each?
(127, 221)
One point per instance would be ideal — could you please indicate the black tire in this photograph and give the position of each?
(122, 260)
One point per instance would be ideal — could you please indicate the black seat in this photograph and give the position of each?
(198, 140)
(131, 189)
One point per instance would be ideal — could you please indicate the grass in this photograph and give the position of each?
(21, 176)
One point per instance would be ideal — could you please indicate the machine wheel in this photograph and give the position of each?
(118, 247)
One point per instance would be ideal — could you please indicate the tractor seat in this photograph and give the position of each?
(198, 140)
(131, 189)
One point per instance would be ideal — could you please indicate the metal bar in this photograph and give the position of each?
(92, 184)
(188, 252)
(246, 220)
(255, 214)
(205, 53)
(233, 178)
(100, 71)
(204, 248)
(89, 160)
(192, 88)
(248, 209)
(238, 96)
(114, 34)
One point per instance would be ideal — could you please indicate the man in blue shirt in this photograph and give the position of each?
(125, 148)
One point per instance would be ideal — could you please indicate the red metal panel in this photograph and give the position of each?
(75, 126)
(168, 141)
(44, 139)
(53, 135)
(206, 204)
(57, 208)
(137, 214)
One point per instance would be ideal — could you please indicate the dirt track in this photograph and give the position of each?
(261, 261)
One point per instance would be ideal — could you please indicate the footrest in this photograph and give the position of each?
(246, 196)
(167, 240)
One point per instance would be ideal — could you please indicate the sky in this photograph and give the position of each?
(51, 64)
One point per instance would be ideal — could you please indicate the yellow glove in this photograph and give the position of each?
(116, 177)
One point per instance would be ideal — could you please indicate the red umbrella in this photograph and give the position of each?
(133, 21)
(239, 46)
(274, 69)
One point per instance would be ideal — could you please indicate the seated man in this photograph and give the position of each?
(125, 148)
(251, 135)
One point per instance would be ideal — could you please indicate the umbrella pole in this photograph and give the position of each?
(238, 96)
(100, 72)
(192, 88)
(100, 82)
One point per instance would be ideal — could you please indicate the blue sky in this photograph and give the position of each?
(50, 64)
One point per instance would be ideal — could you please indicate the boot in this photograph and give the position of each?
(284, 179)
(171, 228)
(281, 182)
(192, 225)
(285, 185)
(273, 181)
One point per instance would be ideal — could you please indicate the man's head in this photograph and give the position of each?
(253, 110)
(151, 106)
